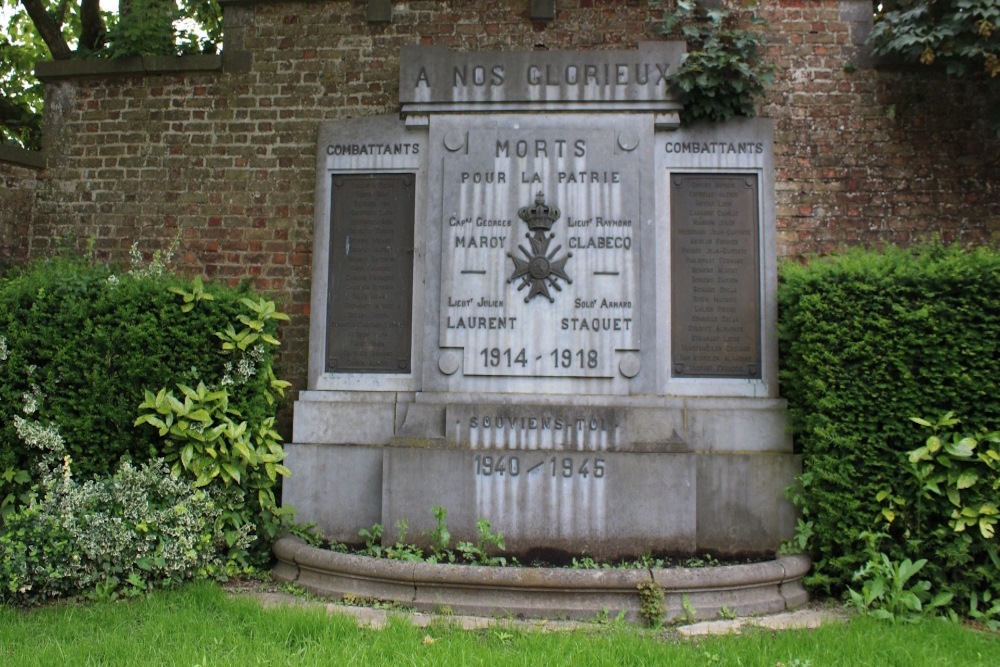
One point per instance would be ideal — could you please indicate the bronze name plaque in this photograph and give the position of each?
(715, 269)
(369, 308)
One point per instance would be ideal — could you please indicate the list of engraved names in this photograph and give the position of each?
(715, 313)
(371, 269)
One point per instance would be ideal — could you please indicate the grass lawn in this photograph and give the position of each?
(199, 625)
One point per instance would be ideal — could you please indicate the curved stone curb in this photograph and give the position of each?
(758, 588)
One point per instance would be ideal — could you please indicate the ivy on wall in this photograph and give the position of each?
(723, 73)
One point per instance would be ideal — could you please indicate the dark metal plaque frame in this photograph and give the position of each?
(715, 276)
(370, 299)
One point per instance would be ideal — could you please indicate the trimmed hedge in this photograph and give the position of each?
(96, 340)
(868, 340)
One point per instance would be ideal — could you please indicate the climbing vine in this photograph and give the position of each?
(724, 72)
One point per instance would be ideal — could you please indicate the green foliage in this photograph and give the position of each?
(960, 36)
(204, 26)
(889, 591)
(402, 550)
(21, 94)
(587, 563)
(90, 340)
(146, 30)
(982, 611)
(651, 606)
(439, 536)
(472, 553)
(19, 491)
(373, 541)
(800, 542)
(118, 534)
(943, 511)
(205, 437)
(84, 345)
(191, 298)
(312, 535)
(151, 28)
(963, 469)
(866, 338)
(478, 552)
(723, 72)
(690, 614)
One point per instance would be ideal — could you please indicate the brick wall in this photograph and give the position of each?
(223, 156)
(19, 173)
(866, 156)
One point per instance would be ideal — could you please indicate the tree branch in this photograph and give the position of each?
(92, 29)
(48, 30)
(60, 14)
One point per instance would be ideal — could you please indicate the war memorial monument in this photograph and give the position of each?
(537, 299)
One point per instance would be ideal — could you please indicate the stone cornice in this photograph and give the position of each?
(22, 157)
(49, 70)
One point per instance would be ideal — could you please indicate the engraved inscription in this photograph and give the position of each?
(371, 269)
(432, 74)
(537, 428)
(559, 467)
(715, 269)
(557, 301)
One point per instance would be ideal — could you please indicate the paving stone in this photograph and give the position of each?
(377, 619)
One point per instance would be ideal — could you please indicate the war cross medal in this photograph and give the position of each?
(540, 270)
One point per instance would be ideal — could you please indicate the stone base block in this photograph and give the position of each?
(741, 502)
(337, 487)
(604, 504)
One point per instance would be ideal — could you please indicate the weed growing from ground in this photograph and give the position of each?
(652, 609)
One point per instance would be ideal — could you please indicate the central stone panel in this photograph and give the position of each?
(540, 247)
(539, 301)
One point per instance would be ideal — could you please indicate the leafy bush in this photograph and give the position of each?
(147, 29)
(91, 341)
(943, 512)
(868, 339)
(207, 438)
(723, 72)
(82, 347)
(889, 590)
(156, 28)
(136, 529)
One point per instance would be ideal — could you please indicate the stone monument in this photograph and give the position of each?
(539, 301)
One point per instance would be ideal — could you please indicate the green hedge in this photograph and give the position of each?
(869, 339)
(96, 340)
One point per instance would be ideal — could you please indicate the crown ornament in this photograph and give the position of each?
(539, 269)
(541, 216)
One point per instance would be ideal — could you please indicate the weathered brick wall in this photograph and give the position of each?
(19, 172)
(866, 156)
(225, 158)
